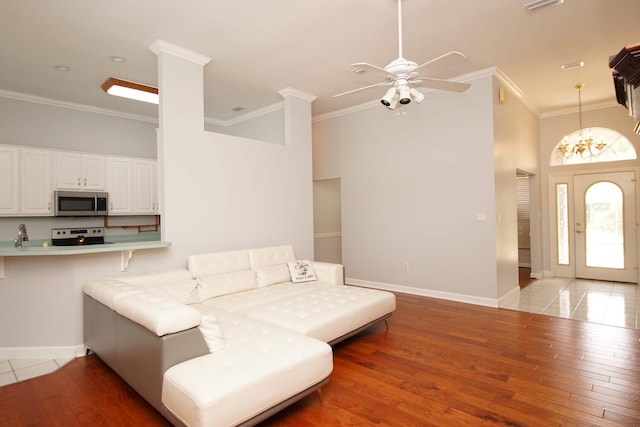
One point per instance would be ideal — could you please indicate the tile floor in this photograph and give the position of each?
(608, 303)
(14, 370)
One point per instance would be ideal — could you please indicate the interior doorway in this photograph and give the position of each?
(327, 220)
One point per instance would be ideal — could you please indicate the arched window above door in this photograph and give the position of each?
(569, 150)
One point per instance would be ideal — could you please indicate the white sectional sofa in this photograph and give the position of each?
(230, 340)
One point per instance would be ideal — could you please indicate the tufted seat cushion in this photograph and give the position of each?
(259, 367)
(326, 313)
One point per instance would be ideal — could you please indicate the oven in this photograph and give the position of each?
(77, 236)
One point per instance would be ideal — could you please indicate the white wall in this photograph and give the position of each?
(44, 125)
(516, 147)
(417, 189)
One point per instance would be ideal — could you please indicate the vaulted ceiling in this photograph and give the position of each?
(259, 47)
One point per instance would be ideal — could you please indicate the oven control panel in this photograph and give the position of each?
(66, 233)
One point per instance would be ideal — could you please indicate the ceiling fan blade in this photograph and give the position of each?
(368, 67)
(447, 85)
(363, 88)
(443, 62)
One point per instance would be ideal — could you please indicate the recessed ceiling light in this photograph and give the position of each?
(62, 68)
(534, 6)
(572, 65)
(118, 59)
(131, 90)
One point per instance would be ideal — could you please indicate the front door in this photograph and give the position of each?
(605, 226)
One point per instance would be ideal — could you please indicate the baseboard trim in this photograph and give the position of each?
(469, 299)
(68, 352)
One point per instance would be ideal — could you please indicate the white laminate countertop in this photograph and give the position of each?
(36, 249)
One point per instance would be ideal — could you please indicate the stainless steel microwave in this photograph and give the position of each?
(80, 203)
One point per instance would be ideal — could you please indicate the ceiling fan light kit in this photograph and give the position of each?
(131, 90)
(404, 75)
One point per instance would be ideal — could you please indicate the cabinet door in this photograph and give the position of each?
(75, 171)
(144, 187)
(119, 186)
(93, 173)
(68, 171)
(9, 187)
(35, 182)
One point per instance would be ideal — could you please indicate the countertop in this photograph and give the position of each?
(36, 248)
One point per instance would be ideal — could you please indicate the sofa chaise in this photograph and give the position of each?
(232, 339)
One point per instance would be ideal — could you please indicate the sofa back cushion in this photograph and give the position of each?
(268, 275)
(273, 255)
(228, 283)
(203, 265)
(177, 284)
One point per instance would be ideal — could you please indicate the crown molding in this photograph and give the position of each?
(289, 91)
(159, 46)
(576, 109)
(248, 116)
(74, 106)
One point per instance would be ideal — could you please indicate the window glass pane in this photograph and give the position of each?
(562, 219)
(604, 226)
(618, 148)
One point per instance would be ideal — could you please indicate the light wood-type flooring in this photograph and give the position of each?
(439, 363)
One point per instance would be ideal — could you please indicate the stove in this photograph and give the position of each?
(77, 236)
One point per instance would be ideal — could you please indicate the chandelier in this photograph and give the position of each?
(581, 143)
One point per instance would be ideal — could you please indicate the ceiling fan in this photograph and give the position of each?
(404, 75)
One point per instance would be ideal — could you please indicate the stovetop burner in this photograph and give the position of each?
(77, 236)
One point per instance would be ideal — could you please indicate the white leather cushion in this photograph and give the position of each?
(211, 331)
(108, 291)
(301, 271)
(270, 275)
(158, 314)
(185, 291)
(154, 278)
(218, 263)
(223, 284)
(272, 255)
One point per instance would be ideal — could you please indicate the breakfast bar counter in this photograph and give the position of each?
(43, 248)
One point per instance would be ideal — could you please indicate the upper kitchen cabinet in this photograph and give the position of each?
(132, 186)
(35, 182)
(75, 171)
(145, 194)
(9, 181)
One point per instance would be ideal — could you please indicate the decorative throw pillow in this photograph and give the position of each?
(272, 274)
(301, 271)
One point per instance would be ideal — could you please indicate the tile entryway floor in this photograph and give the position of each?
(14, 370)
(608, 303)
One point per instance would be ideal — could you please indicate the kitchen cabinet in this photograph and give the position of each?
(35, 182)
(145, 195)
(120, 185)
(76, 171)
(132, 186)
(9, 181)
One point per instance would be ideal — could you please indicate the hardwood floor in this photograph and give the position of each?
(438, 363)
(524, 277)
